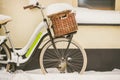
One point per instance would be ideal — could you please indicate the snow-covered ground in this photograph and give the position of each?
(36, 75)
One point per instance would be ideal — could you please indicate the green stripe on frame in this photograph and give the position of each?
(33, 44)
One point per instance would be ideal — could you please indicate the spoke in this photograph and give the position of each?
(76, 61)
(51, 60)
(76, 64)
(52, 52)
(75, 68)
(73, 65)
(62, 52)
(47, 63)
(70, 66)
(69, 69)
(71, 53)
(77, 58)
(50, 64)
(49, 55)
(76, 55)
(54, 61)
(56, 52)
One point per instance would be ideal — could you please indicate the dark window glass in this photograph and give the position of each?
(97, 4)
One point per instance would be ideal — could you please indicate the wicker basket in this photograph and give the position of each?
(63, 23)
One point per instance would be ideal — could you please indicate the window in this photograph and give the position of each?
(97, 4)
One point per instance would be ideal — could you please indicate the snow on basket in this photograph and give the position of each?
(58, 7)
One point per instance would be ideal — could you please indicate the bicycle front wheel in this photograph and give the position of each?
(61, 59)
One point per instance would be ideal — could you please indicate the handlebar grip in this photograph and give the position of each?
(28, 6)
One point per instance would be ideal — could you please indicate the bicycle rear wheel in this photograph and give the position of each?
(61, 60)
(4, 55)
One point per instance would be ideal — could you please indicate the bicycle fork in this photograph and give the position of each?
(62, 66)
(63, 63)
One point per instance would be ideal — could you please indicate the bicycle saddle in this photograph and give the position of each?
(4, 19)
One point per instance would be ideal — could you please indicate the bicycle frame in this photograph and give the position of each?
(24, 54)
(28, 49)
(31, 45)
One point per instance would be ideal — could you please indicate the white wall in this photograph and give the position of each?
(99, 36)
(25, 21)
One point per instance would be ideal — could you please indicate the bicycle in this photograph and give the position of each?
(60, 54)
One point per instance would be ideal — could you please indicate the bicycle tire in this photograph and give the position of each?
(76, 59)
(4, 50)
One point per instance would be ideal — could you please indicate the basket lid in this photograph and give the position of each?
(58, 7)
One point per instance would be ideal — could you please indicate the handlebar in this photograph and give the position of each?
(29, 6)
(34, 6)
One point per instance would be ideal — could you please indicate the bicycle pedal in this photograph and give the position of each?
(11, 67)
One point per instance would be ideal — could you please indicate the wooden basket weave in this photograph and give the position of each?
(63, 23)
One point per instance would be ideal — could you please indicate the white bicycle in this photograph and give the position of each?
(58, 54)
